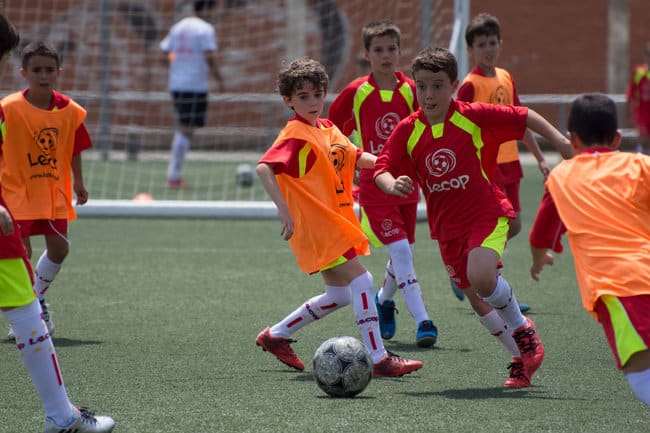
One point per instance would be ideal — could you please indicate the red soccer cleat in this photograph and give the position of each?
(394, 366)
(530, 346)
(519, 377)
(280, 347)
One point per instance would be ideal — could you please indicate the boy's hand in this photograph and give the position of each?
(402, 187)
(287, 223)
(6, 223)
(539, 261)
(82, 194)
(543, 167)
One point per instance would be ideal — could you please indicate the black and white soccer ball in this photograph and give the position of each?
(245, 175)
(342, 367)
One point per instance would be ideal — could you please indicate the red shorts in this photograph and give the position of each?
(387, 224)
(508, 177)
(626, 323)
(42, 227)
(454, 253)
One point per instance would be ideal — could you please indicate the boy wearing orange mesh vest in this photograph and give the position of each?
(601, 200)
(308, 173)
(43, 136)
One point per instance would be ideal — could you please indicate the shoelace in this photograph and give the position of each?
(516, 370)
(389, 312)
(87, 416)
(524, 338)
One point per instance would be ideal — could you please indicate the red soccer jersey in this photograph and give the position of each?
(374, 113)
(452, 161)
(638, 96)
(11, 246)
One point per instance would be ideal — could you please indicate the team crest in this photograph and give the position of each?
(441, 162)
(385, 125)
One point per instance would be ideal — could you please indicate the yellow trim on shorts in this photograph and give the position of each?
(15, 284)
(628, 341)
(497, 239)
(335, 263)
(367, 230)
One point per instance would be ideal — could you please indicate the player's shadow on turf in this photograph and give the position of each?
(487, 393)
(400, 346)
(63, 342)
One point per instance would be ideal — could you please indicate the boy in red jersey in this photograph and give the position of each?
(43, 136)
(491, 84)
(308, 173)
(638, 101)
(371, 106)
(601, 200)
(451, 147)
(20, 307)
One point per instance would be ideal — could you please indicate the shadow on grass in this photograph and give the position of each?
(410, 346)
(62, 342)
(489, 393)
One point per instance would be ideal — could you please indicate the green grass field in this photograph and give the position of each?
(156, 321)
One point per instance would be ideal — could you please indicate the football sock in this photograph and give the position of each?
(180, 146)
(389, 288)
(365, 314)
(45, 273)
(315, 308)
(39, 358)
(504, 301)
(496, 326)
(640, 384)
(407, 282)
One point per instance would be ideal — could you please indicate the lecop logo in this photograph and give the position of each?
(441, 162)
(385, 125)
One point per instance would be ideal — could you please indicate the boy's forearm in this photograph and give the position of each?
(543, 127)
(384, 182)
(533, 147)
(366, 160)
(270, 184)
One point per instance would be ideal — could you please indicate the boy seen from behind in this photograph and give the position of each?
(451, 148)
(308, 173)
(371, 106)
(601, 200)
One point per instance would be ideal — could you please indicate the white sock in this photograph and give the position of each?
(407, 282)
(180, 146)
(45, 273)
(640, 384)
(365, 314)
(39, 357)
(389, 288)
(315, 308)
(496, 326)
(504, 301)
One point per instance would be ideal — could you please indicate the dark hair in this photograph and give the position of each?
(593, 119)
(299, 72)
(436, 60)
(376, 29)
(482, 24)
(9, 37)
(40, 48)
(199, 5)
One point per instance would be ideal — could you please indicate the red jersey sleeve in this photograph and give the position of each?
(283, 157)
(466, 92)
(341, 111)
(82, 140)
(547, 230)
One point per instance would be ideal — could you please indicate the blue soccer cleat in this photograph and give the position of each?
(457, 291)
(427, 334)
(386, 315)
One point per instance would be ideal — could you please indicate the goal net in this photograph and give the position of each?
(112, 65)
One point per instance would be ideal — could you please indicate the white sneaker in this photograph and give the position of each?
(84, 422)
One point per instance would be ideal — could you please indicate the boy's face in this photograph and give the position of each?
(383, 54)
(307, 101)
(41, 73)
(434, 91)
(485, 51)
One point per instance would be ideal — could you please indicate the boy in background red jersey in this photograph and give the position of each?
(371, 106)
(20, 307)
(601, 200)
(308, 173)
(451, 148)
(43, 135)
(638, 101)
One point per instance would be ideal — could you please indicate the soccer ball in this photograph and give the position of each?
(244, 175)
(342, 367)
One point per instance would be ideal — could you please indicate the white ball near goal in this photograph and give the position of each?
(245, 175)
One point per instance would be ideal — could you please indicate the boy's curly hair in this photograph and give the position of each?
(436, 60)
(301, 71)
